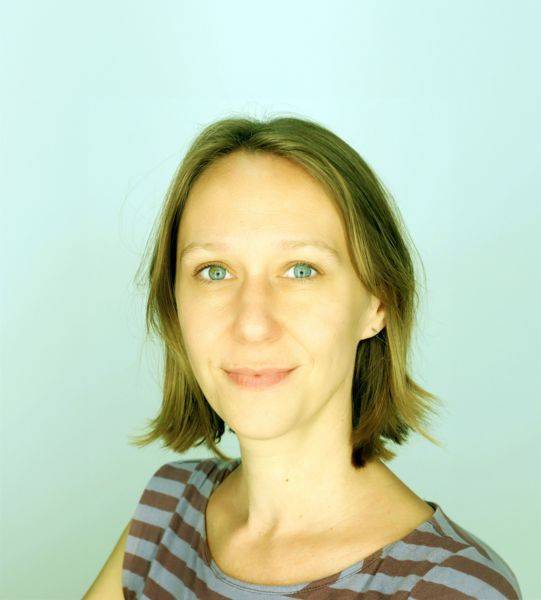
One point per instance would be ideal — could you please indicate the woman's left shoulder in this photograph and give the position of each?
(464, 566)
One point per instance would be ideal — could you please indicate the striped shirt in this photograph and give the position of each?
(167, 555)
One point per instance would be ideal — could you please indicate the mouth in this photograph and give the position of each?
(248, 378)
(270, 370)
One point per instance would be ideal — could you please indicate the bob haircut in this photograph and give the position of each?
(387, 403)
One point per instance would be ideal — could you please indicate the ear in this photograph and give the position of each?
(375, 321)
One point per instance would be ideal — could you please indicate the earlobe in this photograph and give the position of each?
(365, 337)
(379, 318)
(377, 330)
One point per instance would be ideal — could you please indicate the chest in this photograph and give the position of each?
(296, 563)
(308, 557)
(298, 560)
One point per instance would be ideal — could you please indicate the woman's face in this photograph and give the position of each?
(262, 304)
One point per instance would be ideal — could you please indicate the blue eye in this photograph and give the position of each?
(303, 269)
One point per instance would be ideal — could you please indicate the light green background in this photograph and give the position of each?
(99, 102)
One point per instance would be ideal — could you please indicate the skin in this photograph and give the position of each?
(295, 476)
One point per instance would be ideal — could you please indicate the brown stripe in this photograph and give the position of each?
(180, 474)
(433, 540)
(146, 531)
(324, 593)
(428, 590)
(394, 567)
(129, 594)
(398, 595)
(154, 591)
(159, 500)
(136, 564)
(482, 572)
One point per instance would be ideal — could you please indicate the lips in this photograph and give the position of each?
(259, 380)
(253, 372)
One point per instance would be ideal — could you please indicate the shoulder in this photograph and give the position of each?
(463, 575)
(169, 483)
(460, 565)
(159, 502)
(158, 508)
(160, 497)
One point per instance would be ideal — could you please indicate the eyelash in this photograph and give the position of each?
(214, 264)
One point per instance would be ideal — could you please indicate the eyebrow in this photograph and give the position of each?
(284, 244)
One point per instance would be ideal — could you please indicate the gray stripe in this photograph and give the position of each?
(151, 515)
(142, 548)
(463, 582)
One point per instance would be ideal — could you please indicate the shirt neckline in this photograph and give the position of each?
(312, 584)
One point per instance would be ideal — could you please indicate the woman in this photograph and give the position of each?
(283, 288)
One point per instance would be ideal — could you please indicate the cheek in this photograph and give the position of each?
(327, 338)
(198, 329)
(198, 332)
(335, 313)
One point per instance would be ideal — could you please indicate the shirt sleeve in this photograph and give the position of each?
(464, 576)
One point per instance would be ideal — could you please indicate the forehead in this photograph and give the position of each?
(263, 198)
(320, 245)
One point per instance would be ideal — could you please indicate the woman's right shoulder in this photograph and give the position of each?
(166, 484)
(161, 494)
(157, 506)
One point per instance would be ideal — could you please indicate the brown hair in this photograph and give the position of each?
(387, 403)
